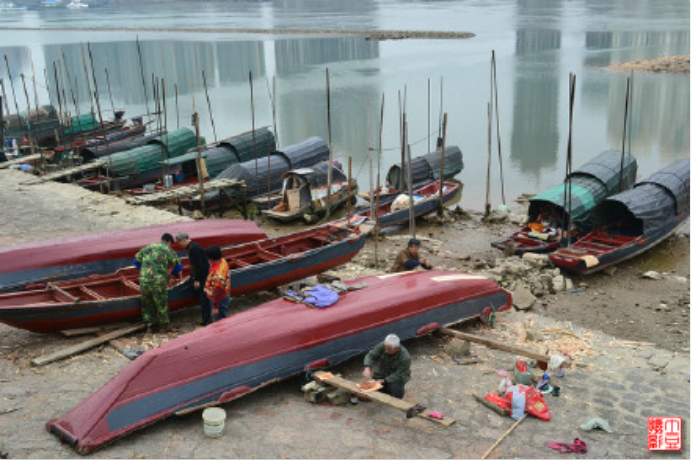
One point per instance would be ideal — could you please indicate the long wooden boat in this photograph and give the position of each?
(426, 201)
(229, 359)
(101, 253)
(255, 266)
(631, 222)
(590, 184)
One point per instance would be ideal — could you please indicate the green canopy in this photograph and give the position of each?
(596, 180)
(82, 123)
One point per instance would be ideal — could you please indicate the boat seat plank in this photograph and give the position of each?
(129, 283)
(599, 244)
(91, 293)
(62, 295)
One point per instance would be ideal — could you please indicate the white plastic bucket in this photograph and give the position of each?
(214, 421)
(168, 180)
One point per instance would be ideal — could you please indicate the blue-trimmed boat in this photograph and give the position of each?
(255, 266)
(631, 222)
(271, 342)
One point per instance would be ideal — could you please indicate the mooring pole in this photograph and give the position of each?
(623, 140)
(330, 168)
(208, 103)
(350, 175)
(440, 210)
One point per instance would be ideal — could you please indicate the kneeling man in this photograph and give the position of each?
(392, 362)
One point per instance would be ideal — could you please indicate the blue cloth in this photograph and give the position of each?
(176, 271)
(321, 296)
(136, 263)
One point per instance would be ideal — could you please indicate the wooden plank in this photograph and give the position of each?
(498, 345)
(188, 190)
(20, 160)
(383, 398)
(68, 172)
(92, 329)
(70, 351)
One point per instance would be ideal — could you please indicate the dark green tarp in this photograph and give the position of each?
(427, 168)
(590, 184)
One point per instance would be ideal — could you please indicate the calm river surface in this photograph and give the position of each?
(537, 44)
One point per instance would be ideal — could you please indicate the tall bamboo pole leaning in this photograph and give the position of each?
(141, 69)
(177, 109)
(16, 105)
(623, 140)
(165, 118)
(31, 136)
(198, 158)
(88, 83)
(254, 134)
(376, 226)
(496, 114)
(2, 130)
(440, 210)
(569, 161)
(350, 176)
(100, 115)
(208, 103)
(60, 114)
(33, 77)
(369, 156)
(159, 126)
(330, 168)
(74, 91)
(4, 97)
(429, 114)
(411, 203)
(110, 93)
(441, 107)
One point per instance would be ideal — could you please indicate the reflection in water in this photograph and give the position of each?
(535, 133)
(294, 56)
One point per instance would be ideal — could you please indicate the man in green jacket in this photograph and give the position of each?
(392, 362)
(154, 261)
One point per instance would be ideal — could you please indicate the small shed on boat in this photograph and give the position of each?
(650, 206)
(228, 152)
(590, 184)
(426, 169)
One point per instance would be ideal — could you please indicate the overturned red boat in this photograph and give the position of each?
(83, 255)
(228, 359)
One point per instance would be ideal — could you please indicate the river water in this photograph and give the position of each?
(538, 43)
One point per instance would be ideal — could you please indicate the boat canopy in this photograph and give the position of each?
(98, 151)
(228, 152)
(316, 176)
(650, 205)
(590, 184)
(82, 123)
(427, 168)
(149, 157)
(256, 173)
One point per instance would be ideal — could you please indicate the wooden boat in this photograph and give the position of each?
(255, 266)
(305, 193)
(548, 211)
(426, 201)
(631, 222)
(230, 358)
(100, 253)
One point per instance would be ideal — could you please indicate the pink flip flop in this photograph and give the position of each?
(578, 446)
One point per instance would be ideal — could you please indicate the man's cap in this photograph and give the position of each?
(182, 236)
(413, 242)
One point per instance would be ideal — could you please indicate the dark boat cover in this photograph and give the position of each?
(256, 173)
(318, 175)
(98, 151)
(226, 153)
(650, 205)
(427, 168)
(590, 184)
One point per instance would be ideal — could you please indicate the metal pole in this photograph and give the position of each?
(440, 210)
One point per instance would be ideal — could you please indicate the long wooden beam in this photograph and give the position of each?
(80, 347)
(498, 345)
(383, 398)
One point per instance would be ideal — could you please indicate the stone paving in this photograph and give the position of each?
(619, 385)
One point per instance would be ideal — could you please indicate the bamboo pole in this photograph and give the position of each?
(4, 97)
(350, 176)
(369, 156)
(376, 227)
(429, 114)
(441, 106)
(440, 210)
(141, 68)
(508, 432)
(198, 158)
(100, 116)
(110, 93)
(496, 115)
(411, 202)
(73, 89)
(33, 77)
(330, 168)
(177, 109)
(623, 140)
(254, 134)
(381, 131)
(208, 103)
(88, 83)
(32, 144)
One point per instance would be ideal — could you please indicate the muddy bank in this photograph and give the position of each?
(366, 34)
(671, 64)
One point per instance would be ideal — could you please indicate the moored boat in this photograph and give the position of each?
(631, 222)
(254, 266)
(305, 193)
(599, 178)
(230, 358)
(100, 253)
(425, 201)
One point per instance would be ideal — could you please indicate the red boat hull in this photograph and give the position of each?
(230, 358)
(79, 256)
